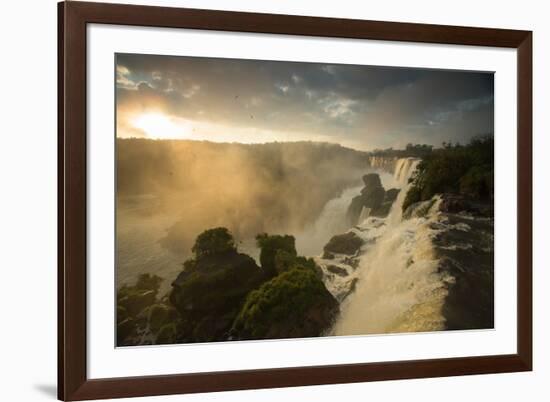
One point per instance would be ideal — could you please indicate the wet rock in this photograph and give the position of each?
(348, 243)
(351, 289)
(352, 262)
(337, 270)
(467, 260)
(371, 180)
(391, 195)
(372, 196)
(419, 209)
(455, 203)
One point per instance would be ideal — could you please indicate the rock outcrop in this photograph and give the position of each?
(466, 252)
(210, 292)
(373, 198)
(348, 243)
(140, 314)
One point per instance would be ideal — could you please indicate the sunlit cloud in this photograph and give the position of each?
(260, 101)
(123, 78)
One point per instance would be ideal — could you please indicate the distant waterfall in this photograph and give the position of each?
(398, 287)
(384, 163)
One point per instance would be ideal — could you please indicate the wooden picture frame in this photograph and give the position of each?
(73, 382)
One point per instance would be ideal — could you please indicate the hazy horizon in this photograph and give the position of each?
(256, 102)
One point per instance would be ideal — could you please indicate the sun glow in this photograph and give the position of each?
(157, 125)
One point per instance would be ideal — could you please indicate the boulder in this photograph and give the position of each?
(372, 180)
(372, 196)
(337, 270)
(348, 243)
(391, 195)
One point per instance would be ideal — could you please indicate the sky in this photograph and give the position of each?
(255, 101)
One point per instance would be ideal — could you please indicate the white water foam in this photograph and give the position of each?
(398, 287)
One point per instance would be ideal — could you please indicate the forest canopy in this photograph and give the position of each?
(461, 169)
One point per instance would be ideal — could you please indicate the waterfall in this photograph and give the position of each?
(404, 168)
(403, 171)
(331, 221)
(398, 288)
(383, 163)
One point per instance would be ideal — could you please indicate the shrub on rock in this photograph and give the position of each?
(270, 245)
(212, 288)
(294, 304)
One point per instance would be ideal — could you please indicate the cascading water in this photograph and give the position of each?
(404, 168)
(331, 221)
(398, 288)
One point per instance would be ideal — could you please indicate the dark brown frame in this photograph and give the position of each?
(73, 383)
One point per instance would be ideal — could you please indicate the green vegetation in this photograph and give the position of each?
(221, 294)
(211, 289)
(213, 241)
(293, 304)
(148, 282)
(275, 247)
(133, 308)
(460, 169)
(411, 150)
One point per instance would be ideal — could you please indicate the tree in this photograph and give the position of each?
(213, 241)
(270, 245)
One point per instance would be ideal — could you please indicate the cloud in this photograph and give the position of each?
(366, 106)
(123, 78)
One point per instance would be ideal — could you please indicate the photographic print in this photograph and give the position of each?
(272, 200)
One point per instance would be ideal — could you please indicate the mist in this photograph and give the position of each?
(172, 190)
